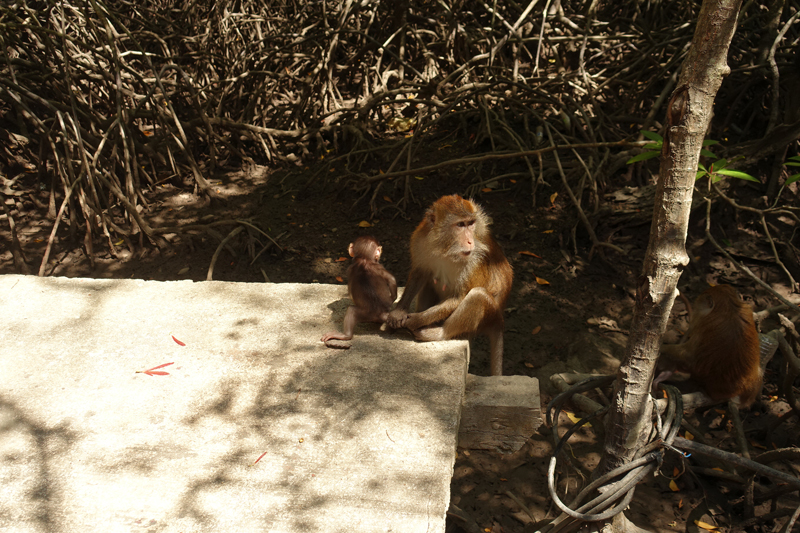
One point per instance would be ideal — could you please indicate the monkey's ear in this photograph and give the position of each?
(378, 252)
(430, 216)
(707, 304)
(350, 250)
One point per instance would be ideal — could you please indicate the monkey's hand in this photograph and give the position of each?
(397, 318)
(415, 322)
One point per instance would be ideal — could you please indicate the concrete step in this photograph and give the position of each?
(361, 439)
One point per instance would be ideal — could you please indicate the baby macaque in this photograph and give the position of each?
(372, 288)
(720, 349)
(459, 276)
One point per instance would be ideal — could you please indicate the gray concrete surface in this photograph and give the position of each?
(353, 440)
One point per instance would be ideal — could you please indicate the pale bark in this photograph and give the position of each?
(688, 115)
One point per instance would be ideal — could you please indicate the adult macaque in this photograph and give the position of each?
(372, 288)
(721, 349)
(460, 277)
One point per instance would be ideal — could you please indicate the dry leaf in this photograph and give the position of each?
(536, 330)
(553, 197)
(676, 472)
(154, 371)
(146, 133)
(707, 527)
(688, 436)
(387, 199)
(530, 254)
(513, 181)
(548, 231)
(542, 281)
(575, 419)
(364, 224)
(486, 189)
(529, 365)
(179, 343)
(183, 271)
(339, 279)
(673, 486)
(680, 503)
(343, 258)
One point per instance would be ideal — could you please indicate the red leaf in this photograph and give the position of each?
(154, 371)
(179, 343)
(260, 456)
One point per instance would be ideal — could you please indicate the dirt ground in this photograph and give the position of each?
(567, 312)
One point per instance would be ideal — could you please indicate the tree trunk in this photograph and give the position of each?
(688, 115)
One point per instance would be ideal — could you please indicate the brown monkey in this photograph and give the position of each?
(721, 349)
(460, 277)
(372, 288)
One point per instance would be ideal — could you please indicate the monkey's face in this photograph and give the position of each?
(459, 239)
(453, 228)
(463, 238)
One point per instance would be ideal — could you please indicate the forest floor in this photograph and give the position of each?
(567, 312)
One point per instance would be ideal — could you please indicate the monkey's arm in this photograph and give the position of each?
(677, 356)
(397, 317)
(432, 315)
(392, 286)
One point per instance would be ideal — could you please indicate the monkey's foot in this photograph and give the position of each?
(335, 335)
(429, 334)
(338, 344)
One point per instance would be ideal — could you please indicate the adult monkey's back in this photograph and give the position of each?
(460, 276)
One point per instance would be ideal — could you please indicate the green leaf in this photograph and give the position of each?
(795, 158)
(700, 174)
(707, 153)
(652, 146)
(792, 164)
(701, 167)
(653, 136)
(791, 179)
(643, 157)
(710, 142)
(720, 164)
(738, 174)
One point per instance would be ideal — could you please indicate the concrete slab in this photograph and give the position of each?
(359, 440)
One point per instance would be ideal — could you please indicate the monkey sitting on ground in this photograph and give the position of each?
(721, 348)
(460, 277)
(372, 288)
